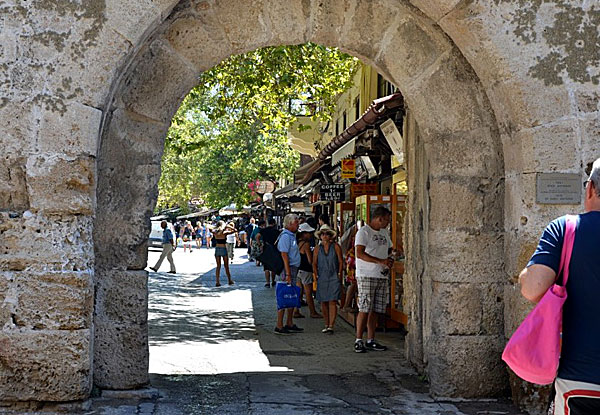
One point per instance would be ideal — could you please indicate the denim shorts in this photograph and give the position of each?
(220, 251)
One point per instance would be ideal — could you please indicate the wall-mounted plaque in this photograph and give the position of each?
(559, 188)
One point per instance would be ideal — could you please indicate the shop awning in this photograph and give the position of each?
(345, 151)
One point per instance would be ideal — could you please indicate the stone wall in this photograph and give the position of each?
(500, 90)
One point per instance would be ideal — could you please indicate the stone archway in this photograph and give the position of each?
(455, 275)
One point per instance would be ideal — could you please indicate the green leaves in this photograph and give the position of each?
(232, 128)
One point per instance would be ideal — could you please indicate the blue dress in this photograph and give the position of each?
(329, 287)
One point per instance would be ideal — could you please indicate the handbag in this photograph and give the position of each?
(533, 351)
(288, 296)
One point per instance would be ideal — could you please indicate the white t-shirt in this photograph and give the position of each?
(231, 238)
(377, 244)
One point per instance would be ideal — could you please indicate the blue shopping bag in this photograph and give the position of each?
(288, 296)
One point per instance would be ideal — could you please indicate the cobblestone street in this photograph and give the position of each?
(213, 351)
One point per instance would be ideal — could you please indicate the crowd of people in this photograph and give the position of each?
(352, 267)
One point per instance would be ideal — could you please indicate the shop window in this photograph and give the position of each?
(384, 88)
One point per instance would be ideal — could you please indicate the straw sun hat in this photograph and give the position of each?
(325, 229)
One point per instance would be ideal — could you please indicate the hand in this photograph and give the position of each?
(289, 281)
(389, 262)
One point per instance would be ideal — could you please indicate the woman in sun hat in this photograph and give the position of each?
(328, 270)
(305, 272)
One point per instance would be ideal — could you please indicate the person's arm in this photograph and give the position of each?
(338, 251)
(315, 263)
(286, 266)
(361, 254)
(535, 281)
(257, 237)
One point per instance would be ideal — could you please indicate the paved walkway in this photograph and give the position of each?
(213, 351)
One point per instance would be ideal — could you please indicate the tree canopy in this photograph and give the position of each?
(231, 129)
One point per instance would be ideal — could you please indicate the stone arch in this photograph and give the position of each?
(455, 274)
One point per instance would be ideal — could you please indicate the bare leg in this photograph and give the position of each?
(218, 270)
(310, 300)
(325, 311)
(280, 314)
(267, 278)
(226, 262)
(350, 294)
(297, 312)
(290, 317)
(371, 325)
(272, 277)
(332, 313)
(361, 322)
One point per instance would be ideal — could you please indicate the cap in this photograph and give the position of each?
(305, 227)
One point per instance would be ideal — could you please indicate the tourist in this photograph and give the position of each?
(290, 254)
(249, 229)
(208, 235)
(220, 234)
(578, 376)
(268, 235)
(347, 244)
(256, 245)
(328, 269)
(231, 239)
(305, 273)
(199, 232)
(186, 235)
(373, 245)
(168, 246)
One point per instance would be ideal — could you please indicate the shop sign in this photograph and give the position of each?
(265, 186)
(359, 189)
(348, 169)
(336, 192)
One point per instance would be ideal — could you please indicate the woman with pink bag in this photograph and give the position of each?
(577, 382)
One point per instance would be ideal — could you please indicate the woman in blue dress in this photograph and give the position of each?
(328, 270)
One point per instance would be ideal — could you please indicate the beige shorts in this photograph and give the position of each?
(305, 277)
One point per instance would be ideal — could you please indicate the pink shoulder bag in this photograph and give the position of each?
(533, 350)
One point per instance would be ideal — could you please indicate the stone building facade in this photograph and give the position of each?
(500, 90)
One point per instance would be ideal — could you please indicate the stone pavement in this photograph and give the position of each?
(213, 351)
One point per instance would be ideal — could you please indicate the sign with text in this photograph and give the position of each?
(348, 169)
(359, 189)
(336, 192)
(559, 188)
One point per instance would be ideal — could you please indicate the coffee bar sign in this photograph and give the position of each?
(336, 192)
(559, 188)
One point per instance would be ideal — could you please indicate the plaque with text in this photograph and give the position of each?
(559, 188)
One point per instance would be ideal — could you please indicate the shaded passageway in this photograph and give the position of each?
(213, 350)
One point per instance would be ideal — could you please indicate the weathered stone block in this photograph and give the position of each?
(13, 184)
(456, 309)
(516, 308)
(453, 83)
(590, 140)
(158, 66)
(457, 365)
(587, 99)
(463, 256)
(123, 245)
(287, 21)
(327, 21)
(6, 279)
(355, 36)
(19, 124)
(528, 103)
(34, 242)
(412, 48)
(45, 365)
(200, 41)
(548, 148)
(61, 184)
(51, 301)
(122, 296)
(74, 132)
(121, 355)
(466, 153)
(435, 9)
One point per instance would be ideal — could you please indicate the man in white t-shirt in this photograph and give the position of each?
(373, 246)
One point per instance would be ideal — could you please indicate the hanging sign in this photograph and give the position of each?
(336, 192)
(348, 169)
(359, 189)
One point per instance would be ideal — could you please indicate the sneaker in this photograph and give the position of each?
(153, 269)
(359, 347)
(325, 330)
(282, 330)
(293, 329)
(373, 345)
(330, 330)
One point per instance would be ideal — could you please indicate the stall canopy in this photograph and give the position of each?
(345, 151)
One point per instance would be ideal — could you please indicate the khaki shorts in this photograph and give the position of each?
(305, 277)
(373, 294)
